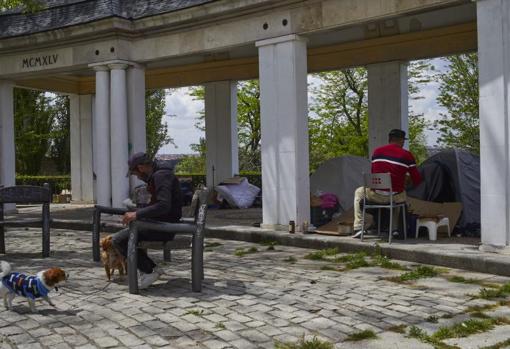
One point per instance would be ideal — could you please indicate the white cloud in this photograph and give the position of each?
(181, 114)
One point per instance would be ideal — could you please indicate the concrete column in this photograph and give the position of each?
(284, 126)
(493, 21)
(387, 101)
(82, 186)
(102, 136)
(222, 160)
(119, 134)
(7, 147)
(136, 114)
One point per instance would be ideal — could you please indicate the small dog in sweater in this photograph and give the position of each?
(31, 287)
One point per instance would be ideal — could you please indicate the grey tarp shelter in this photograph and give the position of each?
(453, 175)
(340, 176)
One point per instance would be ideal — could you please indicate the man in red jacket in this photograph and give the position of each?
(394, 159)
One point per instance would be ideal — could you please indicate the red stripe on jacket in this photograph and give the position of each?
(397, 161)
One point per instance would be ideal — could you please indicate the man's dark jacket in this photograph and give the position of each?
(166, 196)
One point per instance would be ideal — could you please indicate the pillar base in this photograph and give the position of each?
(504, 250)
(276, 227)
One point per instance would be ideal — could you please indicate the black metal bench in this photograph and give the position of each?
(27, 194)
(180, 242)
(189, 231)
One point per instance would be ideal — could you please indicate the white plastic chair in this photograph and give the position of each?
(381, 181)
(432, 224)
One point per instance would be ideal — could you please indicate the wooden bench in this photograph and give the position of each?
(27, 194)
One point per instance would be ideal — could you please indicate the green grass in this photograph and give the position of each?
(386, 263)
(460, 279)
(314, 343)
(354, 260)
(328, 267)
(465, 328)
(362, 335)
(398, 328)
(499, 292)
(290, 259)
(322, 254)
(462, 329)
(432, 319)
(220, 325)
(196, 312)
(420, 272)
(240, 252)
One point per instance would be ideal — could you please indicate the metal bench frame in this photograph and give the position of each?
(25, 194)
(192, 227)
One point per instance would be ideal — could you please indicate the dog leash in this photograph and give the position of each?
(88, 295)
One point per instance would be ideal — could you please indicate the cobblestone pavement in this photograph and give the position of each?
(249, 301)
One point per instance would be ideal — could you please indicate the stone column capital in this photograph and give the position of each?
(118, 66)
(280, 39)
(100, 68)
(117, 63)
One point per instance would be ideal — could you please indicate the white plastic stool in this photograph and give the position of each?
(432, 224)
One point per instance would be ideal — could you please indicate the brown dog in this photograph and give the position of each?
(111, 258)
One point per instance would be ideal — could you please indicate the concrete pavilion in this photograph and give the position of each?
(105, 53)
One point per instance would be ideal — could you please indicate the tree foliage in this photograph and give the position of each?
(33, 121)
(60, 146)
(338, 124)
(27, 6)
(458, 94)
(156, 128)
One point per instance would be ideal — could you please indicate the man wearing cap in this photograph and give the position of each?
(394, 159)
(165, 205)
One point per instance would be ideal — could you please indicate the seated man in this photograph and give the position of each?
(394, 159)
(165, 205)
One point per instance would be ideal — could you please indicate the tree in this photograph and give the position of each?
(156, 128)
(193, 163)
(458, 94)
(248, 125)
(419, 73)
(338, 124)
(25, 5)
(33, 121)
(60, 148)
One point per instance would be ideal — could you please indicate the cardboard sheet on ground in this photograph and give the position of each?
(342, 225)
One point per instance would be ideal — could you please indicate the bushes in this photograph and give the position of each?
(57, 183)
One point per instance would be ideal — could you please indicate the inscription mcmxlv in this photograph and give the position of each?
(39, 61)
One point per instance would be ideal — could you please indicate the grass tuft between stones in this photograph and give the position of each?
(362, 335)
(491, 293)
(314, 343)
(240, 252)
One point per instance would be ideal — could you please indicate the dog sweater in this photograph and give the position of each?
(26, 286)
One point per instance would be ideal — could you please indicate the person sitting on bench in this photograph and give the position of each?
(165, 206)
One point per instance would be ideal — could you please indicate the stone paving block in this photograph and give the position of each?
(156, 340)
(106, 342)
(51, 340)
(254, 336)
(243, 344)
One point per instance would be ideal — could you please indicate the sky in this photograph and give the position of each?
(182, 111)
